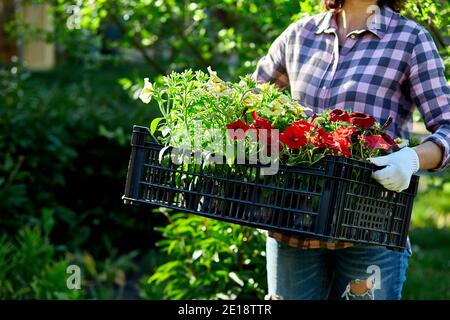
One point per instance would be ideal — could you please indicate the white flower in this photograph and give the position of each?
(298, 109)
(264, 87)
(252, 100)
(218, 89)
(146, 93)
(402, 143)
(276, 107)
(213, 77)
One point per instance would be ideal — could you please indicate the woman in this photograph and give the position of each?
(362, 55)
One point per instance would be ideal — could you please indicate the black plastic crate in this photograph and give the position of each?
(335, 199)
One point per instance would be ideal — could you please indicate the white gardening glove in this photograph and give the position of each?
(400, 166)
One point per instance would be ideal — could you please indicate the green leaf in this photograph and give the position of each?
(154, 125)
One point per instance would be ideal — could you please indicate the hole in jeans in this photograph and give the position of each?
(360, 289)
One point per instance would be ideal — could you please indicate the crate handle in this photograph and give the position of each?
(135, 163)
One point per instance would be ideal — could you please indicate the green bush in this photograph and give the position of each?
(64, 137)
(433, 189)
(64, 141)
(208, 259)
(30, 269)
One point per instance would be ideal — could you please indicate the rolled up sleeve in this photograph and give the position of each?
(431, 92)
(272, 67)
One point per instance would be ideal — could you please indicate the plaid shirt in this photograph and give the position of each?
(384, 71)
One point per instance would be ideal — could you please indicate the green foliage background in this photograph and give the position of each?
(64, 152)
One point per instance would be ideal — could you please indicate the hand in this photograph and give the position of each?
(400, 166)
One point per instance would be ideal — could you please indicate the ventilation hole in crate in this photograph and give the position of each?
(283, 181)
(313, 184)
(308, 203)
(296, 182)
(302, 221)
(316, 204)
(320, 183)
(301, 202)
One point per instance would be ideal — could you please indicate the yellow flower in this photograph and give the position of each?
(317, 121)
(213, 77)
(252, 100)
(264, 87)
(276, 107)
(298, 109)
(146, 93)
(218, 87)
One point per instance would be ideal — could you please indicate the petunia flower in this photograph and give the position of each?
(218, 88)
(237, 129)
(252, 100)
(339, 115)
(298, 109)
(361, 119)
(261, 124)
(341, 140)
(147, 91)
(276, 108)
(346, 132)
(264, 87)
(293, 137)
(376, 142)
(391, 141)
(305, 125)
(213, 77)
(321, 139)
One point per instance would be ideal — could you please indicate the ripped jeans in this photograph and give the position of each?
(360, 273)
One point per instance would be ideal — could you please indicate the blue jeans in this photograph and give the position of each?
(320, 274)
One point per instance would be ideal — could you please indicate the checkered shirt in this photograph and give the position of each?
(385, 70)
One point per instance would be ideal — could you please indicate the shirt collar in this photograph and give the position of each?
(378, 26)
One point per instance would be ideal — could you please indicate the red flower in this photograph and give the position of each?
(341, 140)
(361, 119)
(339, 115)
(390, 141)
(305, 125)
(254, 115)
(338, 141)
(376, 142)
(322, 140)
(384, 142)
(237, 129)
(345, 132)
(343, 148)
(293, 137)
(262, 124)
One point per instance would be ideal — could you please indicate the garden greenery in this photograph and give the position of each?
(208, 259)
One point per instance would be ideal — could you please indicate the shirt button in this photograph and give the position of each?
(324, 88)
(353, 36)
